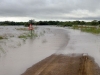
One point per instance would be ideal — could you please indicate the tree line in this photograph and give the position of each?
(58, 23)
(12, 23)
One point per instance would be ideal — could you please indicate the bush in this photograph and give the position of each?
(1, 37)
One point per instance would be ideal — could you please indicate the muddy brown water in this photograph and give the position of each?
(51, 40)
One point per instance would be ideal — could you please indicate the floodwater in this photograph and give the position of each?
(83, 43)
(16, 54)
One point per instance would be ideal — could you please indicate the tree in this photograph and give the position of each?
(94, 22)
(76, 22)
(32, 21)
(82, 23)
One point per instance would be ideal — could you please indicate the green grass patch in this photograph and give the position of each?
(27, 35)
(88, 29)
(91, 30)
(75, 27)
(22, 36)
(24, 29)
(1, 38)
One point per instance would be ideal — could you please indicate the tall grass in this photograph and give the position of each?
(75, 27)
(89, 29)
(24, 29)
(1, 37)
(27, 35)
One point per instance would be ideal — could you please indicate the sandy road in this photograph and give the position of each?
(65, 65)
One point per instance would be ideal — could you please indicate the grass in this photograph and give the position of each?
(27, 35)
(5, 36)
(24, 36)
(89, 29)
(24, 29)
(1, 38)
(75, 27)
(2, 49)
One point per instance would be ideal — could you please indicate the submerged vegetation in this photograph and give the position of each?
(14, 37)
(1, 37)
(25, 29)
(89, 29)
(2, 50)
(27, 35)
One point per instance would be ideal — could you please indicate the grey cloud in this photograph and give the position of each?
(47, 9)
(83, 18)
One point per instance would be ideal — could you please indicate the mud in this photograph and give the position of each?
(65, 65)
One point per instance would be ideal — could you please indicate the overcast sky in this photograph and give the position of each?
(23, 10)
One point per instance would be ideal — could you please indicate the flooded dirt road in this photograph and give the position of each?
(17, 54)
(65, 65)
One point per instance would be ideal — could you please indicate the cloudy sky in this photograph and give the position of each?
(23, 10)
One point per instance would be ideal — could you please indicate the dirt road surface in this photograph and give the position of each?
(65, 65)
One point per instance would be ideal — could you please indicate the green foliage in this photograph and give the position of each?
(23, 36)
(1, 37)
(47, 23)
(94, 22)
(11, 23)
(26, 24)
(64, 24)
(58, 23)
(31, 21)
(91, 30)
(24, 29)
(75, 27)
(27, 35)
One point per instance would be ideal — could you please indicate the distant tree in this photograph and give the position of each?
(82, 23)
(26, 24)
(94, 22)
(76, 22)
(32, 21)
(99, 22)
